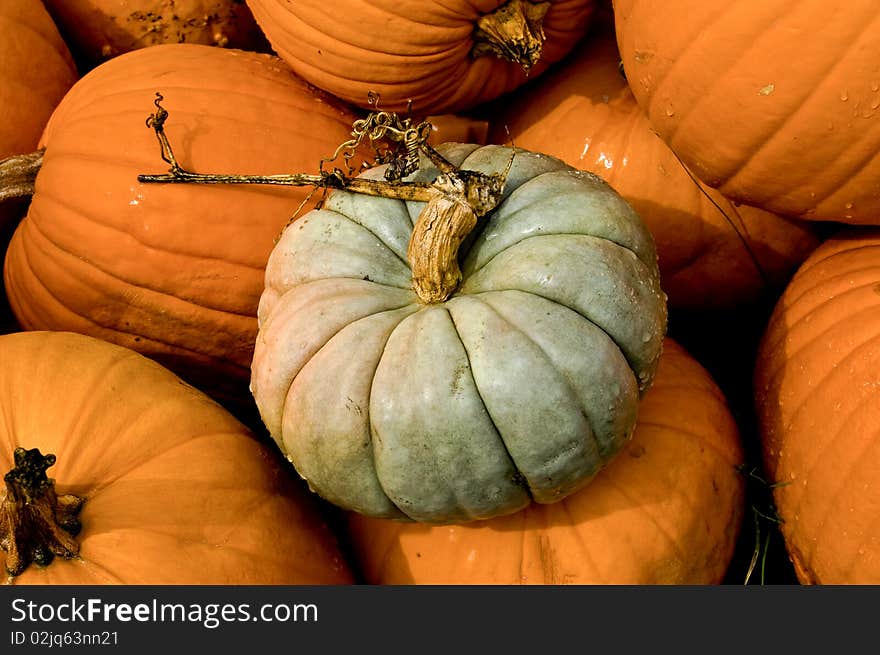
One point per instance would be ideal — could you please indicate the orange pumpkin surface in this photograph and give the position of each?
(667, 510)
(172, 271)
(409, 49)
(776, 103)
(36, 70)
(100, 29)
(816, 381)
(176, 491)
(712, 253)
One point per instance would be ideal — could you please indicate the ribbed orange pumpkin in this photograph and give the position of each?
(100, 29)
(667, 510)
(817, 380)
(775, 103)
(408, 49)
(36, 70)
(712, 253)
(176, 491)
(172, 271)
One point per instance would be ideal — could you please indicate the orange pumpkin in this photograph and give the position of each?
(173, 489)
(667, 509)
(712, 253)
(816, 380)
(410, 50)
(36, 70)
(172, 271)
(100, 29)
(776, 104)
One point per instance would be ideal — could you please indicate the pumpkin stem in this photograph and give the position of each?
(462, 198)
(513, 32)
(18, 175)
(36, 524)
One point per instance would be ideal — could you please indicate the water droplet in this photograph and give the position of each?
(875, 86)
(767, 90)
(670, 110)
(646, 337)
(848, 205)
(844, 96)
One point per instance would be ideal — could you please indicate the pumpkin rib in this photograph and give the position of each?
(705, 32)
(378, 238)
(524, 487)
(323, 213)
(324, 22)
(549, 363)
(810, 467)
(556, 302)
(13, 87)
(803, 348)
(566, 509)
(289, 385)
(858, 168)
(776, 129)
(36, 229)
(132, 236)
(722, 455)
(71, 271)
(646, 258)
(697, 34)
(154, 455)
(7, 25)
(546, 234)
(829, 254)
(773, 340)
(625, 350)
(611, 482)
(818, 458)
(591, 420)
(166, 347)
(855, 460)
(831, 281)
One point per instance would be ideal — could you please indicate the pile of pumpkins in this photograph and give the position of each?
(654, 361)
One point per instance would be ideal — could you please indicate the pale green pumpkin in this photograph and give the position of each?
(521, 386)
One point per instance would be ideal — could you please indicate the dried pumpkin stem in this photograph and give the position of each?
(513, 32)
(454, 202)
(18, 174)
(36, 524)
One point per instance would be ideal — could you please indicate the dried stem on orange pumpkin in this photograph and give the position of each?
(454, 201)
(36, 524)
(513, 32)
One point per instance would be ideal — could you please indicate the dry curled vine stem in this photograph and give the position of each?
(454, 200)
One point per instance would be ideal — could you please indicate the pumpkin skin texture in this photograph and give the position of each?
(816, 382)
(36, 70)
(667, 510)
(440, 412)
(406, 50)
(713, 254)
(176, 490)
(717, 83)
(100, 29)
(172, 271)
